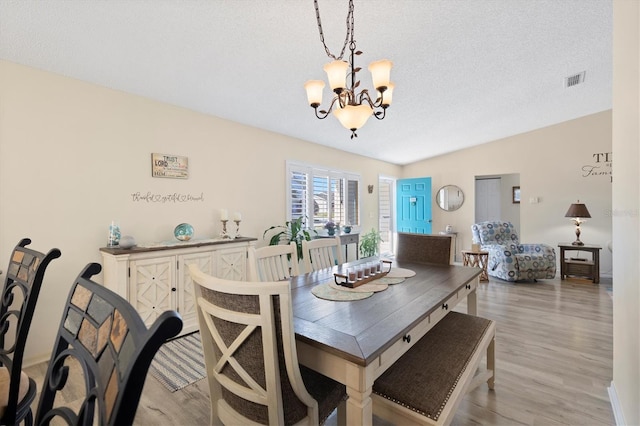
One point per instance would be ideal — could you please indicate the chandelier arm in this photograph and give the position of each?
(322, 114)
(364, 96)
(319, 115)
(380, 115)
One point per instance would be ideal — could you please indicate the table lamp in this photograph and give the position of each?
(577, 212)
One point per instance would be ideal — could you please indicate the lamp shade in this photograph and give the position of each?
(353, 116)
(314, 91)
(387, 97)
(380, 73)
(337, 74)
(577, 210)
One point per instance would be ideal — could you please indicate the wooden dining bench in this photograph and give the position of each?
(426, 385)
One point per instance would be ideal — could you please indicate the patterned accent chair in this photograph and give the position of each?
(508, 259)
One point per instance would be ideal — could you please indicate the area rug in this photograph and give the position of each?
(179, 362)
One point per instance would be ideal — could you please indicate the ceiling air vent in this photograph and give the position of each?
(574, 80)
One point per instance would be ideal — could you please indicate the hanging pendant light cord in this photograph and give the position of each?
(349, 36)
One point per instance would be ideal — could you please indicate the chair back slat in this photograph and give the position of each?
(322, 253)
(273, 263)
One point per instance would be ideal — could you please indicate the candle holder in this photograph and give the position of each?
(237, 221)
(224, 233)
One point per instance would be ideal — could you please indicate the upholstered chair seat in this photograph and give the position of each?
(508, 258)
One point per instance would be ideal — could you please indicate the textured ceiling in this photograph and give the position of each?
(466, 71)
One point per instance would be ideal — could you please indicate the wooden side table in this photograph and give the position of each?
(578, 267)
(477, 259)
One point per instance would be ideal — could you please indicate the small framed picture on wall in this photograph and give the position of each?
(515, 195)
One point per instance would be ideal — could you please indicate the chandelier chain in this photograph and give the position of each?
(349, 35)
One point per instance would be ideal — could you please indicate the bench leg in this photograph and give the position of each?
(491, 362)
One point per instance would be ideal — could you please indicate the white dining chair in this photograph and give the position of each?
(251, 357)
(273, 263)
(322, 253)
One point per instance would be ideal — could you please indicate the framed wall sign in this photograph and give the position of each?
(169, 166)
(515, 195)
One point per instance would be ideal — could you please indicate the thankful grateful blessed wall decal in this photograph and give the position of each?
(175, 197)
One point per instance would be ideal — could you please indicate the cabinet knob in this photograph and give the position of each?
(468, 286)
(406, 338)
(445, 306)
(173, 289)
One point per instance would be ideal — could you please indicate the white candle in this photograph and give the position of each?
(224, 214)
(237, 216)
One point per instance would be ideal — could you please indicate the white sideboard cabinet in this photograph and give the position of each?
(156, 278)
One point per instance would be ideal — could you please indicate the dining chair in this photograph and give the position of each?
(17, 304)
(102, 333)
(251, 359)
(273, 263)
(322, 253)
(425, 248)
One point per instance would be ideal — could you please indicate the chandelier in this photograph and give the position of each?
(350, 107)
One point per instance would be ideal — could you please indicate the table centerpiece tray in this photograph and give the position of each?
(345, 281)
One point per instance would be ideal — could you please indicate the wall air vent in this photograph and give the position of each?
(574, 80)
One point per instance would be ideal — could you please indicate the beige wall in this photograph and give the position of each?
(552, 164)
(625, 388)
(71, 155)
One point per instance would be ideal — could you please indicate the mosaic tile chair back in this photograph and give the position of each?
(104, 334)
(22, 283)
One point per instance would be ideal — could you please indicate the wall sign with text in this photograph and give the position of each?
(169, 166)
(600, 166)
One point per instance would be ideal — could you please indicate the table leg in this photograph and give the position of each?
(472, 302)
(359, 407)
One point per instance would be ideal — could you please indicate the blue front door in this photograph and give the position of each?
(414, 205)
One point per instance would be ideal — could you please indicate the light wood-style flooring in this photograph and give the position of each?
(553, 358)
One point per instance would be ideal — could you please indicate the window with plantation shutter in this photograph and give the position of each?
(322, 195)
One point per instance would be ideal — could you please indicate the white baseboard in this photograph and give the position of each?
(618, 415)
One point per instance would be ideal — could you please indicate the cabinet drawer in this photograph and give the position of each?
(349, 239)
(443, 310)
(401, 345)
(468, 288)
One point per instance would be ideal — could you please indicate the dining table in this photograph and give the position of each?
(354, 342)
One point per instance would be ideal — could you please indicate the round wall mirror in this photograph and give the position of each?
(450, 198)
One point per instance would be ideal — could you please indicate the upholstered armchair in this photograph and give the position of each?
(508, 259)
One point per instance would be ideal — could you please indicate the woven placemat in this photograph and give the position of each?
(364, 288)
(400, 273)
(324, 291)
(390, 280)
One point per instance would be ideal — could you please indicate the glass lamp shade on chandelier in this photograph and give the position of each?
(350, 107)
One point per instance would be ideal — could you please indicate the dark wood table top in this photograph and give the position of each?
(361, 330)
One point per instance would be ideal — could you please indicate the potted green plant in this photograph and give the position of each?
(370, 243)
(294, 230)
